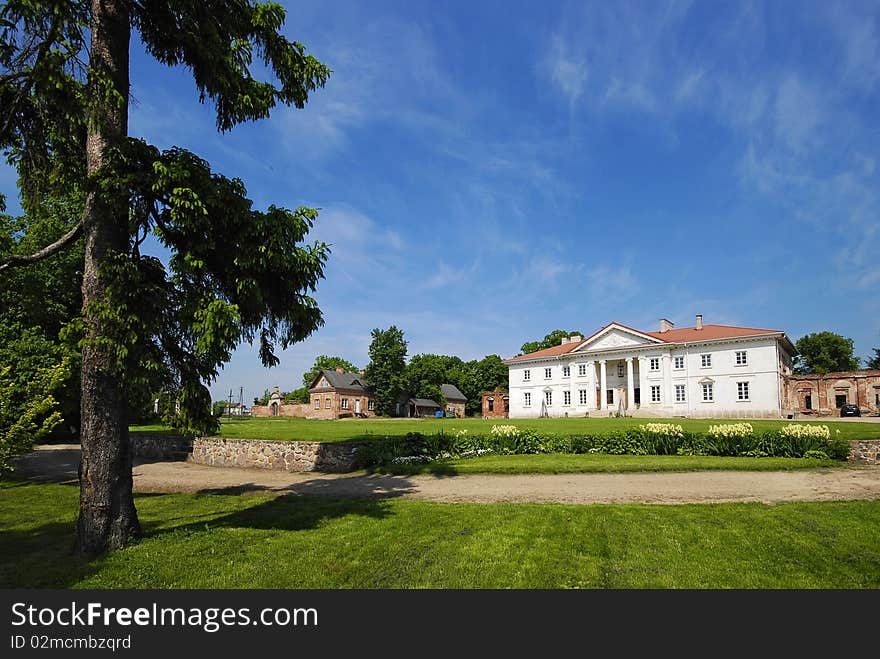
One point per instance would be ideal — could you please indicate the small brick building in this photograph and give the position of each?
(337, 394)
(455, 400)
(496, 404)
(825, 394)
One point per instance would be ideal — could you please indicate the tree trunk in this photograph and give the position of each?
(107, 519)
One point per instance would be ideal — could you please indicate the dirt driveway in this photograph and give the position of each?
(59, 463)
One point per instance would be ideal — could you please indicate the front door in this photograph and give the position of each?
(357, 406)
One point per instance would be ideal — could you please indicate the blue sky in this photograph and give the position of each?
(490, 171)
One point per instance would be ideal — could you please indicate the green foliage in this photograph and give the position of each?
(386, 369)
(873, 362)
(325, 363)
(416, 447)
(29, 414)
(825, 352)
(235, 273)
(554, 338)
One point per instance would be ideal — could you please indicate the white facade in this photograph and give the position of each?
(623, 371)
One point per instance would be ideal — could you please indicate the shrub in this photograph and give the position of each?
(620, 443)
(819, 455)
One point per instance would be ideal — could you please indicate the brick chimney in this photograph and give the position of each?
(699, 321)
(339, 369)
(666, 325)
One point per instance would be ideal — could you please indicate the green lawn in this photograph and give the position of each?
(347, 429)
(222, 541)
(589, 463)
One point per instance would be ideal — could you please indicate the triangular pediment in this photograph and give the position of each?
(616, 336)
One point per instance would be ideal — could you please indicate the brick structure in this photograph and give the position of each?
(455, 400)
(277, 406)
(496, 404)
(823, 395)
(337, 395)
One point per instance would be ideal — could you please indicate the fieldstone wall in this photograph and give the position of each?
(284, 456)
(864, 450)
(160, 446)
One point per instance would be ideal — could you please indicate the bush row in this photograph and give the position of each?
(643, 440)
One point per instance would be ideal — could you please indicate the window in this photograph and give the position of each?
(527, 399)
(582, 370)
(655, 363)
(582, 396)
(527, 375)
(548, 373)
(742, 390)
(808, 402)
(548, 398)
(566, 371)
(490, 404)
(317, 403)
(327, 402)
(620, 370)
(371, 405)
(705, 361)
(566, 398)
(840, 400)
(655, 393)
(609, 396)
(708, 392)
(679, 363)
(679, 393)
(345, 403)
(740, 357)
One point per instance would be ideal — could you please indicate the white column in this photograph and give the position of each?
(591, 385)
(603, 380)
(644, 394)
(630, 386)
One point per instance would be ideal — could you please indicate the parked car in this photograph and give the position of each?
(850, 409)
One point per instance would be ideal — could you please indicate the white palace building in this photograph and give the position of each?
(700, 371)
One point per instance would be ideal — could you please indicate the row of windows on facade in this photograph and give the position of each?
(740, 359)
(328, 403)
(839, 400)
(707, 390)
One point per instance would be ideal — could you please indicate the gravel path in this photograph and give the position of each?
(59, 463)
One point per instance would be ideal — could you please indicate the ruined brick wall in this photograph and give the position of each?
(499, 398)
(285, 409)
(859, 387)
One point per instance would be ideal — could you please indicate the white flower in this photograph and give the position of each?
(731, 430)
(505, 431)
(801, 430)
(666, 429)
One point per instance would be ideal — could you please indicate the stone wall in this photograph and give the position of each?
(864, 450)
(284, 456)
(160, 446)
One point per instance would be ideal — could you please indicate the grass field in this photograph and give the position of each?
(220, 541)
(598, 463)
(358, 429)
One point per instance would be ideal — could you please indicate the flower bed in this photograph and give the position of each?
(737, 439)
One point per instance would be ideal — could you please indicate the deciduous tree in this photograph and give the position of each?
(554, 338)
(386, 368)
(325, 362)
(235, 273)
(825, 352)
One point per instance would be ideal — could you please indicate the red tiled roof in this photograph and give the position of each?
(548, 352)
(682, 335)
(708, 333)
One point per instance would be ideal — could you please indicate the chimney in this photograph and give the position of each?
(275, 390)
(699, 321)
(362, 372)
(339, 369)
(666, 325)
(564, 340)
(575, 338)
